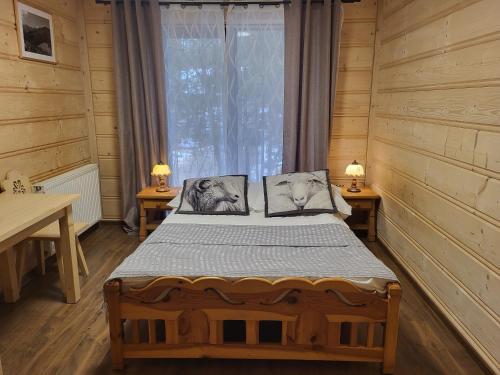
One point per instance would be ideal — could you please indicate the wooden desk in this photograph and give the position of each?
(149, 198)
(367, 200)
(23, 215)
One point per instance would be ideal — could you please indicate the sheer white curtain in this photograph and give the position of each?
(224, 90)
(255, 80)
(194, 65)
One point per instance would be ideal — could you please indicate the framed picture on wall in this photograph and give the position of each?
(35, 31)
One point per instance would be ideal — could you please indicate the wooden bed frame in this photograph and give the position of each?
(326, 319)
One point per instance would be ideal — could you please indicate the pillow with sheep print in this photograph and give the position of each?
(302, 193)
(256, 200)
(255, 197)
(218, 195)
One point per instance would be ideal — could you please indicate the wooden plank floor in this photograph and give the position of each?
(41, 335)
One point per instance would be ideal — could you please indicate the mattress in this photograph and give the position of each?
(235, 247)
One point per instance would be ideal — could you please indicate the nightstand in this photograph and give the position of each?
(366, 200)
(149, 198)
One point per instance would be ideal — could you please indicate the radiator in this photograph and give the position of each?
(83, 181)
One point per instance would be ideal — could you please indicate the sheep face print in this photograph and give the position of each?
(303, 193)
(219, 195)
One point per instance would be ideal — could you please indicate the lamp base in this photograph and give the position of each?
(162, 189)
(354, 190)
(354, 187)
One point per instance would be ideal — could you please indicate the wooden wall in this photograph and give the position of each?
(434, 155)
(352, 102)
(43, 126)
(99, 59)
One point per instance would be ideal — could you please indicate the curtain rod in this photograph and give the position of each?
(242, 3)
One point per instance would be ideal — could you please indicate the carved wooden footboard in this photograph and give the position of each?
(253, 318)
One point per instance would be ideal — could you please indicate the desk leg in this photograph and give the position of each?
(68, 252)
(143, 221)
(8, 275)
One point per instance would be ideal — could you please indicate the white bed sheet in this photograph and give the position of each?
(258, 218)
(255, 218)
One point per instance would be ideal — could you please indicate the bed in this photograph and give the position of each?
(255, 288)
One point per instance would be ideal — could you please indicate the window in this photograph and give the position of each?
(224, 80)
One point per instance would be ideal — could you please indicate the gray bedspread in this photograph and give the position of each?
(235, 251)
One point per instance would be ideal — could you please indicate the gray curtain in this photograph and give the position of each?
(312, 42)
(140, 95)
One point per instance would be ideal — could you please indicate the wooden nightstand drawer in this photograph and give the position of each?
(162, 205)
(362, 203)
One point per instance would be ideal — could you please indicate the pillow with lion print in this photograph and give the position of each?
(218, 195)
(301, 193)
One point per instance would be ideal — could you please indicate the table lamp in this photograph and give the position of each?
(354, 170)
(161, 171)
